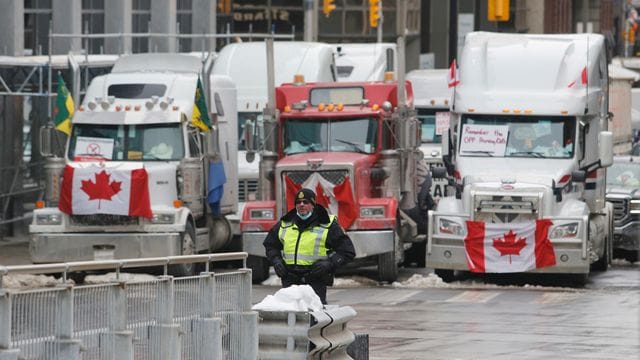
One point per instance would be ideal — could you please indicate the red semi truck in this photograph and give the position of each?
(357, 145)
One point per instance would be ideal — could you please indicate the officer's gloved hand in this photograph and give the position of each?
(321, 268)
(280, 268)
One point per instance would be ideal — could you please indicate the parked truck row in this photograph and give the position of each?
(520, 145)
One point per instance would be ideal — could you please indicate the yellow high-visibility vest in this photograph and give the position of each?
(312, 245)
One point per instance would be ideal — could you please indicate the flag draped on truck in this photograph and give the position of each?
(97, 190)
(338, 199)
(64, 108)
(505, 248)
(200, 115)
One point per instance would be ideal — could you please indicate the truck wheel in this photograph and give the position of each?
(446, 275)
(603, 263)
(188, 247)
(388, 267)
(259, 268)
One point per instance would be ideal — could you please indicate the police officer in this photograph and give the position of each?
(307, 245)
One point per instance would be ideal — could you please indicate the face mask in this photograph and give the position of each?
(304, 217)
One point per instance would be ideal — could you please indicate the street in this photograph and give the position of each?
(479, 317)
(473, 319)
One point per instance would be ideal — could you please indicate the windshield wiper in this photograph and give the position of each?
(534, 153)
(489, 153)
(357, 147)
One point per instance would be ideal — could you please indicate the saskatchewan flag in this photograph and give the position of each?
(63, 110)
(200, 116)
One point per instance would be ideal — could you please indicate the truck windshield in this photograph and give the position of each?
(624, 174)
(92, 142)
(517, 136)
(349, 135)
(430, 133)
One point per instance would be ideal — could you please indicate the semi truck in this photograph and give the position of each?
(432, 96)
(364, 61)
(140, 178)
(529, 147)
(356, 145)
(246, 65)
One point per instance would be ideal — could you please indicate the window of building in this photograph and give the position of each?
(184, 15)
(93, 23)
(37, 17)
(141, 11)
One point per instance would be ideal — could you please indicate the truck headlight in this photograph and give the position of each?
(49, 219)
(634, 205)
(260, 214)
(372, 211)
(450, 227)
(565, 231)
(163, 218)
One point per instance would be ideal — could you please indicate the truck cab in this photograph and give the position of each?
(134, 134)
(246, 65)
(529, 144)
(355, 145)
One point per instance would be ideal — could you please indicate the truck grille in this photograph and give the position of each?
(246, 187)
(505, 209)
(336, 177)
(102, 220)
(620, 208)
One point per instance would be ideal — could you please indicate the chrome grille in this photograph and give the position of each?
(620, 208)
(246, 187)
(336, 177)
(505, 209)
(103, 220)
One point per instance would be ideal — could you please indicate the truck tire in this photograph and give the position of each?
(259, 268)
(446, 275)
(388, 267)
(603, 263)
(187, 247)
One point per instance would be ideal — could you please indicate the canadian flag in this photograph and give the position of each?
(583, 80)
(453, 77)
(337, 198)
(98, 190)
(505, 248)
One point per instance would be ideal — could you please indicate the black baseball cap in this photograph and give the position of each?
(306, 194)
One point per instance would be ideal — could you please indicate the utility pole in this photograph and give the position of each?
(308, 6)
(380, 21)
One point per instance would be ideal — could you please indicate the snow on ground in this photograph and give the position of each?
(30, 281)
(113, 277)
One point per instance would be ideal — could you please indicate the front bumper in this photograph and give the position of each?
(445, 251)
(366, 243)
(63, 247)
(627, 237)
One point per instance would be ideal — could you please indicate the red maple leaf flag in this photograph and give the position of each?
(338, 199)
(513, 247)
(453, 77)
(101, 189)
(97, 190)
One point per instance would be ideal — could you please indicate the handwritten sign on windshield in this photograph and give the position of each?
(484, 139)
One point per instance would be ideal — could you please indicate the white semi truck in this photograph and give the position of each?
(529, 146)
(365, 61)
(137, 178)
(246, 65)
(432, 96)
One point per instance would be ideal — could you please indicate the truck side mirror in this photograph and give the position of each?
(445, 143)
(46, 136)
(249, 137)
(578, 176)
(605, 148)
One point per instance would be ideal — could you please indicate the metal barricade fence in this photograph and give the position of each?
(199, 317)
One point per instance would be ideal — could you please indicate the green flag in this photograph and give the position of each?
(63, 110)
(200, 116)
